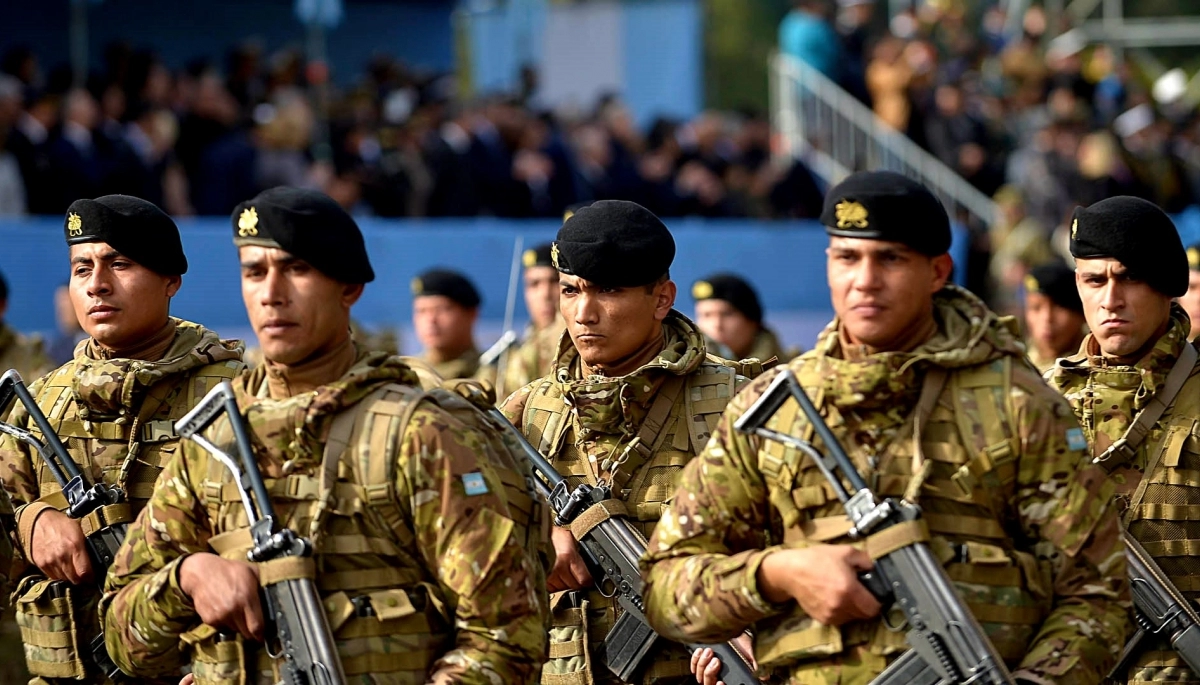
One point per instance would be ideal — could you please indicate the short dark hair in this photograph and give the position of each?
(649, 287)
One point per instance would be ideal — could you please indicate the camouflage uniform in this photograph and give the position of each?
(534, 358)
(1106, 397)
(23, 353)
(116, 418)
(1042, 364)
(423, 569)
(766, 347)
(465, 366)
(1025, 532)
(585, 427)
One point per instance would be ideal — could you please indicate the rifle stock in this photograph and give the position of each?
(611, 550)
(948, 644)
(294, 612)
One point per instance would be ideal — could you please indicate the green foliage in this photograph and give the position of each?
(739, 36)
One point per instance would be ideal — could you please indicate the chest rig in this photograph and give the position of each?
(388, 615)
(955, 455)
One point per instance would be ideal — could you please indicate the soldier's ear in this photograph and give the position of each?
(173, 285)
(665, 293)
(350, 293)
(943, 268)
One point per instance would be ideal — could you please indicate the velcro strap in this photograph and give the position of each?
(564, 650)
(286, 568)
(995, 613)
(231, 540)
(965, 525)
(103, 431)
(895, 537)
(826, 528)
(55, 499)
(595, 515)
(993, 576)
(105, 516)
(42, 638)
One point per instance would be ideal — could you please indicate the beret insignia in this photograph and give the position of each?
(1031, 284)
(1074, 228)
(554, 254)
(74, 224)
(529, 258)
(248, 223)
(850, 214)
(702, 290)
(417, 286)
(1194, 257)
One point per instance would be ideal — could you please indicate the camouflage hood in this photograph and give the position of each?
(968, 334)
(114, 388)
(295, 428)
(610, 405)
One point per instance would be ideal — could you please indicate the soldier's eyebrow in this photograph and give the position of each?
(105, 257)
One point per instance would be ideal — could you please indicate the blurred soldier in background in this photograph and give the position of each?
(1054, 319)
(1191, 299)
(729, 313)
(535, 356)
(445, 308)
(23, 353)
(115, 405)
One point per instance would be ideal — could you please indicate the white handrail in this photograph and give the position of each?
(831, 130)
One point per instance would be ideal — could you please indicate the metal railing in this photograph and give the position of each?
(818, 121)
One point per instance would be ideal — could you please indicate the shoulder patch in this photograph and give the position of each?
(474, 483)
(1075, 439)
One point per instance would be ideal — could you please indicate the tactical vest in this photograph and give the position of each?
(389, 617)
(1166, 516)
(680, 420)
(58, 620)
(971, 451)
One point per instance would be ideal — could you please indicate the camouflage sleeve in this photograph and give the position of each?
(144, 609)
(1064, 506)
(701, 564)
(513, 407)
(20, 476)
(465, 537)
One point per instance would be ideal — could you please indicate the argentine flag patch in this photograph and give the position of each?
(474, 483)
(1075, 440)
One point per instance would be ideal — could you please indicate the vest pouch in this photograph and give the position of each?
(57, 622)
(217, 658)
(794, 638)
(397, 632)
(1002, 588)
(570, 660)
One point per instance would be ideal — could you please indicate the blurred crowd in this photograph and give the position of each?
(397, 143)
(1036, 117)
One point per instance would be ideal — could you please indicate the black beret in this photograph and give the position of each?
(537, 256)
(732, 289)
(449, 284)
(1057, 282)
(614, 243)
(1193, 255)
(135, 228)
(884, 205)
(305, 224)
(1136, 233)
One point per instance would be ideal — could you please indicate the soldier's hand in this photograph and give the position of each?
(188, 679)
(570, 571)
(224, 592)
(58, 547)
(823, 579)
(706, 666)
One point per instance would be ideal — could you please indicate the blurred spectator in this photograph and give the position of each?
(62, 346)
(806, 34)
(12, 186)
(1019, 243)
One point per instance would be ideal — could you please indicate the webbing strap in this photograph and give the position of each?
(286, 568)
(109, 515)
(931, 390)
(336, 444)
(595, 515)
(651, 434)
(896, 537)
(1126, 446)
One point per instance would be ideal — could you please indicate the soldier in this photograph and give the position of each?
(1135, 389)
(930, 395)
(445, 308)
(1053, 314)
(25, 354)
(115, 405)
(729, 313)
(1191, 299)
(632, 398)
(534, 357)
(424, 567)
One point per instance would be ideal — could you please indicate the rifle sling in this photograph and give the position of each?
(286, 568)
(1126, 446)
(595, 515)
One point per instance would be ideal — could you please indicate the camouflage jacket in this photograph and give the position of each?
(766, 346)
(116, 418)
(635, 433)
(418, 529)
(465, 366)
(534, 358)
(1023, 527)
(23, 353)
(1155, 505)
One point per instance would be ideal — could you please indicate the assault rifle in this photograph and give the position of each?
(948, 644)
(296, 620)
(106, 501)
(611, 550)
(1161, 609)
